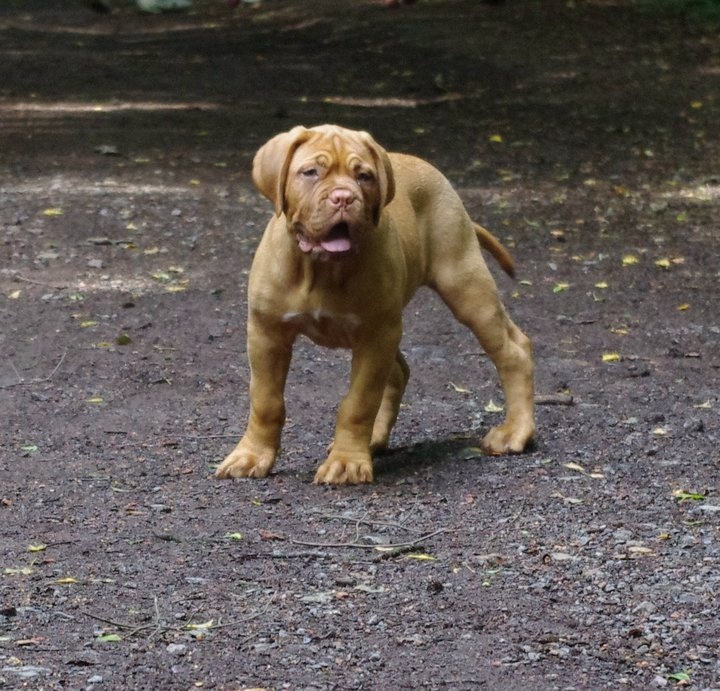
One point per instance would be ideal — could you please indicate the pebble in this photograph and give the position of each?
(176, 649)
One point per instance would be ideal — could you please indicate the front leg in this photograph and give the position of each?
(269, 352)
(350, 460)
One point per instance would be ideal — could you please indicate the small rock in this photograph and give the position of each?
(26, 671)
(95, 263)
(176, 649)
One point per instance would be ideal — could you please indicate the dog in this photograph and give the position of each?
(356, 231)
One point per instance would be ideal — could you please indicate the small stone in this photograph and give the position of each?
(176, 649)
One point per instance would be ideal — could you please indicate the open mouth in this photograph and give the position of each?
(337, 241)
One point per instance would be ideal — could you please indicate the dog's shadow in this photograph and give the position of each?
(399, 462)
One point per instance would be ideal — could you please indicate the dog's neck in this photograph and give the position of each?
(313, 272)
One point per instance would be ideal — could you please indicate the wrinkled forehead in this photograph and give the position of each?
(331, 149)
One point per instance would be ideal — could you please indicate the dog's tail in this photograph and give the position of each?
(489, 242)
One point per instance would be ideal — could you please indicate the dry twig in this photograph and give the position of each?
(30, 382)
(362, 545)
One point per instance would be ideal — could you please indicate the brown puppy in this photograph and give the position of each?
(356, 231)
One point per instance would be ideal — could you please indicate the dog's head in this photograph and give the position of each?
(331, 183)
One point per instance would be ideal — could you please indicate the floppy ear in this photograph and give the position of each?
(271, 164)
(386, 177)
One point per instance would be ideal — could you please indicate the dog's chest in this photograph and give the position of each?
(325, 328)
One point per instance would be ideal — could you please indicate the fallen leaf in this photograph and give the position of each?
(496, 138)
(53, 212)
(492, 407)
(15, 294)
(663, 263)
(611, 357)
(109, 638)
(459, 389)
(601, 285)
(420, 557)
(707, 405)
(679, 676)
(575, 466)
(630, 260)
(200, 627)
(682, 495)
(660, 431)
(95, 400)
(234, 536)
(560, 287)
(683, 308)
(269, 535)
(580, 469)
(67, 580)
(37, 548)
(18, 571)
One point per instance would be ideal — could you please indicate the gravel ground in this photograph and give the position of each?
(583, 134)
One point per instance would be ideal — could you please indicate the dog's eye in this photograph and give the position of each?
(365, 176)
(309, 172)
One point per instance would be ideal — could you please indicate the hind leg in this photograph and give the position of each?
(514, 363)
(471, 294)
(390, 406)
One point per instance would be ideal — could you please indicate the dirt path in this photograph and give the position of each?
(585, 137)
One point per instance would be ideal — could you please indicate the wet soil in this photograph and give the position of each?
(583, 134)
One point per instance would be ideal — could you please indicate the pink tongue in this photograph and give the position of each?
(335, 245)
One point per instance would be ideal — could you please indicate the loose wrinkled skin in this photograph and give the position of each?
(356, 231)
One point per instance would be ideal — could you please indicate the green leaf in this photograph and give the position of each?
(680, 676)
(682, 495)
(109, 638)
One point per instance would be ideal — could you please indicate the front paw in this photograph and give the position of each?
(508, 438)
(246, 461)
(345, 469)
